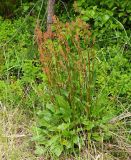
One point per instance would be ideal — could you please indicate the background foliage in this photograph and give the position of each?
(59, 101)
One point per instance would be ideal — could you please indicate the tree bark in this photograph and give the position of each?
(50, 14)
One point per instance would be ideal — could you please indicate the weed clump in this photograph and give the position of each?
(75, 113)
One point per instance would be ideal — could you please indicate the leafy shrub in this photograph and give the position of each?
(100, 12)
(110, 20)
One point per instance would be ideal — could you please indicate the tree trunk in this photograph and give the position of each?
(50, 14)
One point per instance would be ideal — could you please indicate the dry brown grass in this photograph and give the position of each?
(14, 135)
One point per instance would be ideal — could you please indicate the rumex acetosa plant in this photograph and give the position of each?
(68, 60)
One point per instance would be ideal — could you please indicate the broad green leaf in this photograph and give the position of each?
(53, 140)
(63, 126)
(88, 124)
(96, 136)
(57, 150)
(39, 150)
(61, 101)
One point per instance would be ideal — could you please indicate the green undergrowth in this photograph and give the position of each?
(78, 95)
